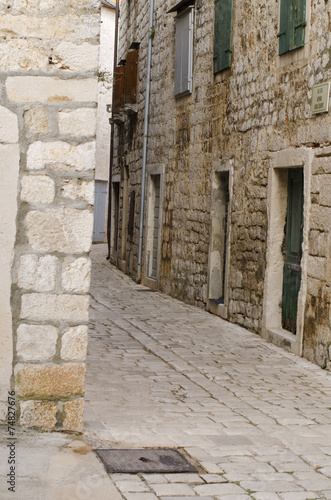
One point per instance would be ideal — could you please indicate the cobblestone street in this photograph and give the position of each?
(254, 418)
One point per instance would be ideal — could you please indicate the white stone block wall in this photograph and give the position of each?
(48, 87)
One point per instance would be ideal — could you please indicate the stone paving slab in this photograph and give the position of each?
(254, 418)
(53, 466)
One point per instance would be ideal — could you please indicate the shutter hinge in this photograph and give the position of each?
(303, 24)
(228, 50)
(280, 34)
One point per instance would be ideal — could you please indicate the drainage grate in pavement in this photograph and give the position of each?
(144, 460)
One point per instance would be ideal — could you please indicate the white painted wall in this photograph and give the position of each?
(106, 63)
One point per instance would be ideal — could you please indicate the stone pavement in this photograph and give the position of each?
(256, 419)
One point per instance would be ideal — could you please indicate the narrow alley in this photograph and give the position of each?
(255, 420)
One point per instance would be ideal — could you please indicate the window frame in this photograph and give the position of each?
(183, 88)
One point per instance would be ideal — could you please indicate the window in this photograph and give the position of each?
(223, 34)
(184, 52)
(291, 25)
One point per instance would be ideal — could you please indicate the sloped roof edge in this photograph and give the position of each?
(181, 5)
(107, 3)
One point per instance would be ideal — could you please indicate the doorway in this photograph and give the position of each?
(285, 286)
(153, 227)
(292, 249)
(100, 211)
(219, 244)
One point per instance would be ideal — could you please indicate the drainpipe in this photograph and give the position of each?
(146, 118)
(111, 156)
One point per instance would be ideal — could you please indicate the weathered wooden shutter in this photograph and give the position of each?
(223, 34)
(291, 25)
(131, 77)
(284, 26)
(184, 52)
(299, 18)
(119, 81)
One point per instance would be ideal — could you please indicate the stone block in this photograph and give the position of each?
(37, 189)
(50, 5)
(76, 275)
(49, 307)
(317, 267)
(36, 121)
(50, 380)
(77, 189)
(61, 156)
(321, 355)
(325, 190)
(62, 230)
(73, 412)
(38, 414)
(36, 342)
(83, 57)
(37, 273)
(65, 23)
(8, 125)
(74, 344)
(19, 54)
(320, 218)
(50, 89)
(78, 122)
(321, 165)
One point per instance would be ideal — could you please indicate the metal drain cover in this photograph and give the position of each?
(144, 460)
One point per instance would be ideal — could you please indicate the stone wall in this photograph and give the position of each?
(317, 346)
(236, 120)
(48, 86)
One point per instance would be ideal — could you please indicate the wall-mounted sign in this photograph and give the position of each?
(320, 100)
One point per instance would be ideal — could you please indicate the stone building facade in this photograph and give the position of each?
(48, 86)
(229, 159)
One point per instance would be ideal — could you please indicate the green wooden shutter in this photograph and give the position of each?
(299, 19)
(284, 26)
(223, 34)
(291, 25)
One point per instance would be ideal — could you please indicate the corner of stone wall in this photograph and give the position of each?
(49, 88)
(317, 336)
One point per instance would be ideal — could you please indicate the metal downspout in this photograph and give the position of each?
(146, 119)
(111, 157)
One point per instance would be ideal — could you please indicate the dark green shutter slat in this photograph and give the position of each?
(223, 34)
(291, 25)
(299, 23)
(284, 26)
